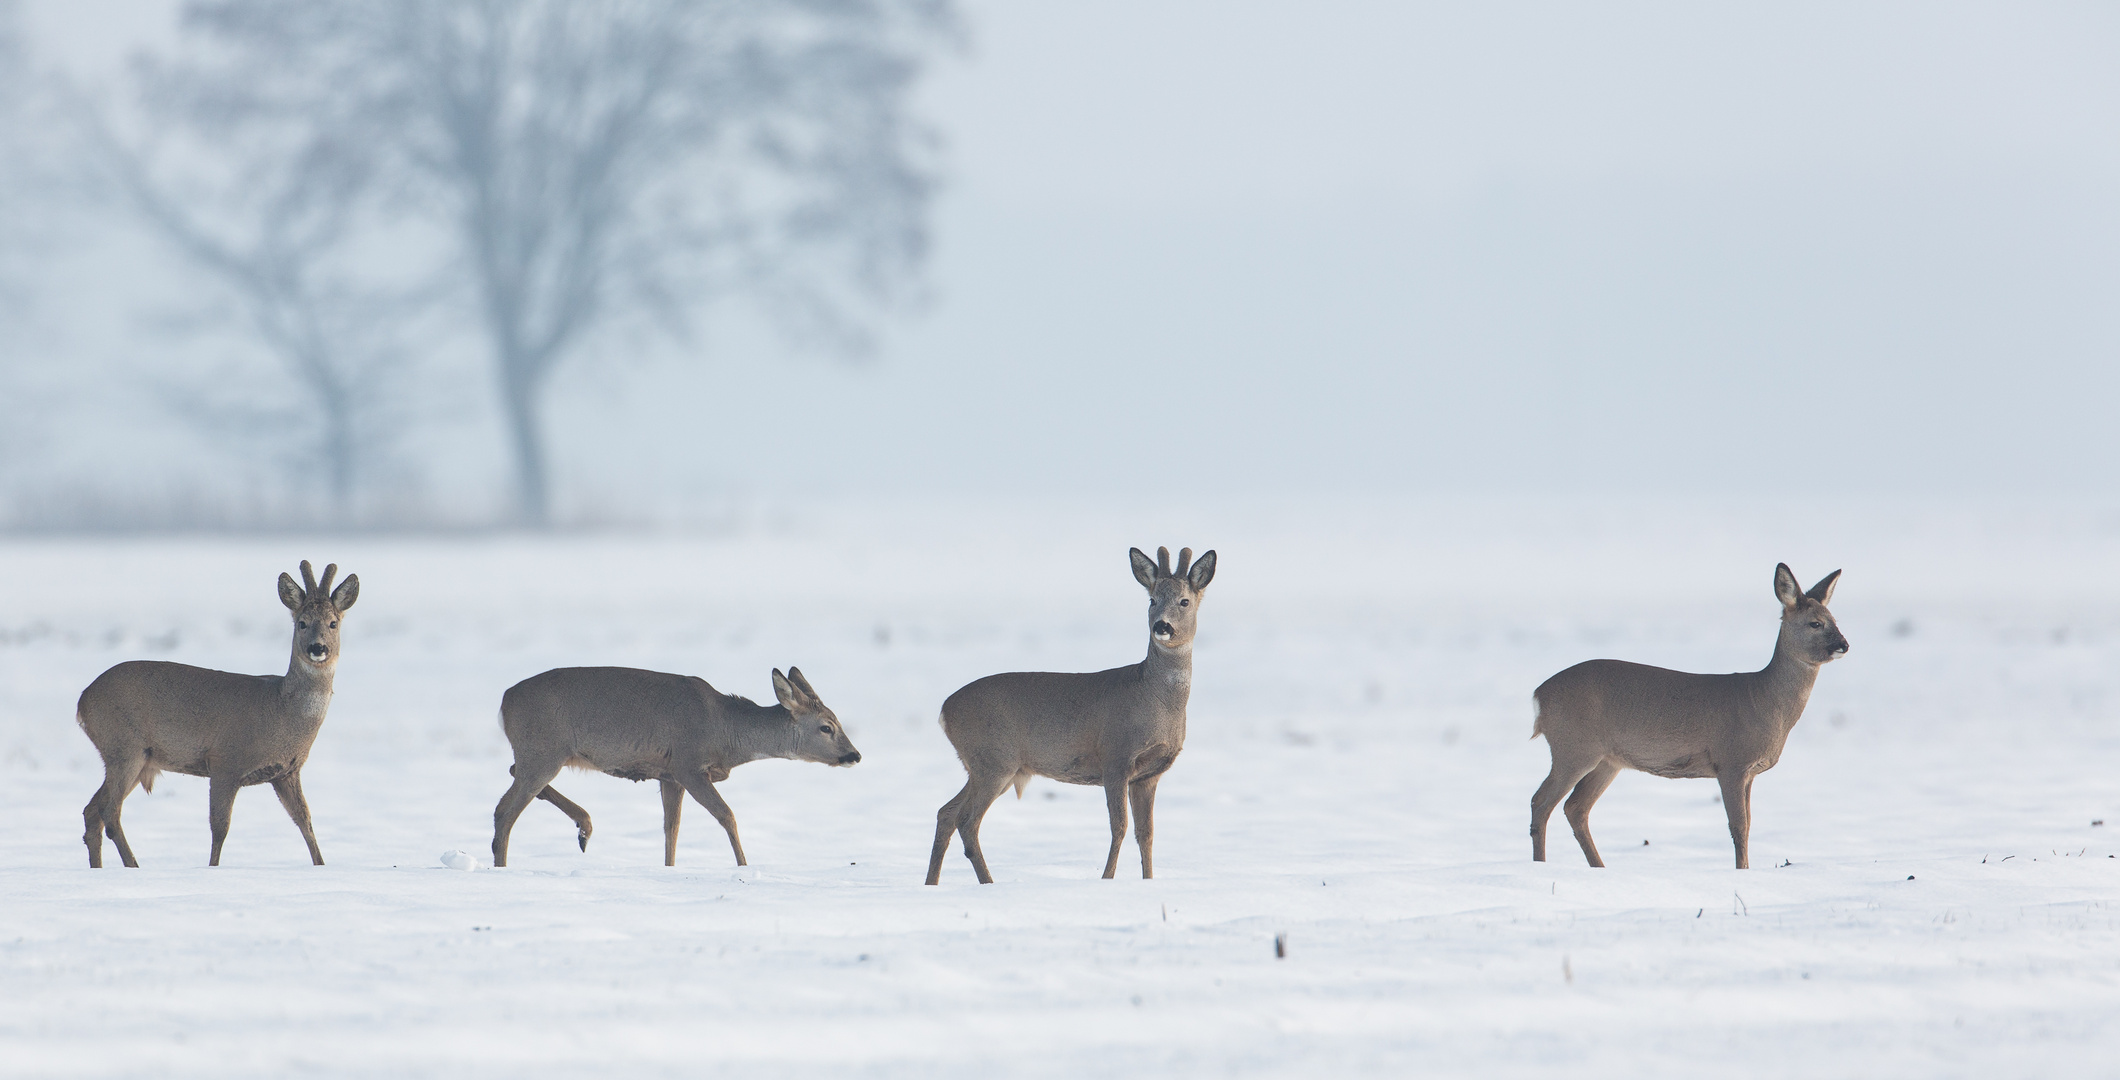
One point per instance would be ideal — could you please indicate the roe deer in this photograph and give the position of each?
(640, 725)
(1602, 716)
(151, 716)
(1120, 728)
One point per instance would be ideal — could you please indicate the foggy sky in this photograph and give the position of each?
(1240, 247)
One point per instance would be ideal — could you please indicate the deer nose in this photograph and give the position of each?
(317, 651)
(850, 758)
(1161, 629)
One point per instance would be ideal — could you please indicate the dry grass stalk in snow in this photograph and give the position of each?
(642, 725)
(1120, 728)
(148, 716)
(1601, 716)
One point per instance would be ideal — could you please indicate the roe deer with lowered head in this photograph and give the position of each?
(147, 717)
(1119, 728)
(1602, 716)
(645, 725)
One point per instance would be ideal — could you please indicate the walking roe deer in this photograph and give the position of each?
(1120, 728)
(1602, 716)
(642, 725)
(151, 716)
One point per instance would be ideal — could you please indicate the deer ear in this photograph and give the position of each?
(290, 593)
(795, 677)
(348, 591)
(1144, 568)
(1785, 586)
(1823, 591)
(1203, 571)
(784, 691)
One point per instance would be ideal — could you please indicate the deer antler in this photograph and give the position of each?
(1184, 561)
(331, 570)
(309, 580)
(1162, 562)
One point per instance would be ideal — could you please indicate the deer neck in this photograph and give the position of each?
(307, 686)
(1168, 669)
(768, 733)
(1786, 683)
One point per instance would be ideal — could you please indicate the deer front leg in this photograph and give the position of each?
(1115, 804)
(220, 807)
(289, 789)
(702, 789)
(673, 794)
(1736, 796)
(1142, 793)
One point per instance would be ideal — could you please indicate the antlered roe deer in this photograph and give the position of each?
(647, 725)
(1120, 728)
(1602, 716)
(147, 717)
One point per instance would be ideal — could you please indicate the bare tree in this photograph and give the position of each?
(599, 160)
(268, 203)
(15, 88)
(18, 187)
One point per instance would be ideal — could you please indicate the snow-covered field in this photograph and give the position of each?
(1932, 896)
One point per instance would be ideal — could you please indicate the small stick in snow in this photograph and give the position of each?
(1280, 946)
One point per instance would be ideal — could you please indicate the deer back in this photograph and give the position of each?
(1062, 724)
(611, 716)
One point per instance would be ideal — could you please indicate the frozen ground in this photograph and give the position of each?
(1356, 779)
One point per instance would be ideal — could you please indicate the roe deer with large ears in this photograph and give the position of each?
(646, 725)
(147, 717)
(1602, 716)
(1119, 728)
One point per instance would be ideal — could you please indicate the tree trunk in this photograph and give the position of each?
(527, 439)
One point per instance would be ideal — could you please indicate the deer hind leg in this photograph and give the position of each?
(1737, 803)
(1587, 790)
(103, 815)
(289, 789)
(946, 821)
(1115, 805)
(979, 795)
(1566, 771)
(574, 813)
(1142, 793)
(702, 789)
(673, 795)
(220, 809)
(529, 781)
(92, 827)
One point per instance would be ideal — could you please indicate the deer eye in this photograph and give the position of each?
(826, 728)
(1184, 603)
(334, 624)
(300, 625)
(1816, 625)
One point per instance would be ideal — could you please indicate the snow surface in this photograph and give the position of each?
(1356, 781)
